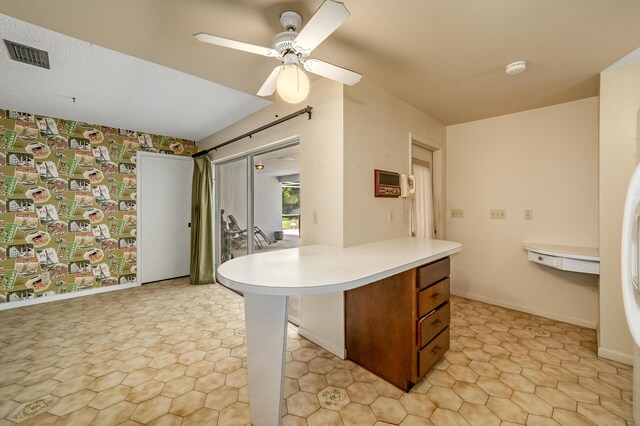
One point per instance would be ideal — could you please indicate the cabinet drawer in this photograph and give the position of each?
(432, 297)
(433, 324)
(433, 272)
(543, 259)
(431, 353)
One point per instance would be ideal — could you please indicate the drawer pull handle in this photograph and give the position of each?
(540, 258)
(435, 295)
(436, 349)
(436, 322)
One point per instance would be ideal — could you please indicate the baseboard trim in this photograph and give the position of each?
(529, 310)
(615, 356)
(337, 351)
(57, 297)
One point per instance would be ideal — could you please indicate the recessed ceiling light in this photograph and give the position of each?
(259, 166)
(516, 67)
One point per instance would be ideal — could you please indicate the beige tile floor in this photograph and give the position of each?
(171, 353)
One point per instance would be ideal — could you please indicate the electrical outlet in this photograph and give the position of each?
(457, 213)
(497, 214)
(528, 215)
(315, 217)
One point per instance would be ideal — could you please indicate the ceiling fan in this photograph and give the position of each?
(293, 48)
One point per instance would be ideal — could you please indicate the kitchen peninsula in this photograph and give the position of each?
(267, 280)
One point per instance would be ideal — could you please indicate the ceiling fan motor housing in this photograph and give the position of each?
(283, 42)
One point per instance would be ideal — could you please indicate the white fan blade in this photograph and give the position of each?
(269, 85)
(333, 72)
(239, 45)
(326, 20)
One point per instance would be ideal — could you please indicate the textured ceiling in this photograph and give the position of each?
(445, 57)
(113, 89)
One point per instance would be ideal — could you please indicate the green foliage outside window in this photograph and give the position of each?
(290, 200)
(290, 207)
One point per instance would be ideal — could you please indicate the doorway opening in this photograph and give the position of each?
(426, 162)
(422, 223)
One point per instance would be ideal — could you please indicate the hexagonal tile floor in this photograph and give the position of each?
(171, 353)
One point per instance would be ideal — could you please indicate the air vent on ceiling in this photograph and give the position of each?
(28, 55)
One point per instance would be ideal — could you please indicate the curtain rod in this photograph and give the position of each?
(306, 110)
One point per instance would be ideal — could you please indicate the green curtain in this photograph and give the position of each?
(202, 245)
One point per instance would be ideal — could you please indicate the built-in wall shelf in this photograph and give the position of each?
(566, 258)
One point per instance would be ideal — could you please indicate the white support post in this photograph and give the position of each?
(266, 323)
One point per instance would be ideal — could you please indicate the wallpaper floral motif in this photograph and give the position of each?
(68, 203)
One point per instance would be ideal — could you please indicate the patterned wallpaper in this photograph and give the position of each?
(68, 203)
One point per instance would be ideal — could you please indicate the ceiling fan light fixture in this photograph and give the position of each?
(516, 67)
(292, 84)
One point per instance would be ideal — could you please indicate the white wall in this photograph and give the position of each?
(377, 136)
(619, 106)
(545, 160)
(267, 203)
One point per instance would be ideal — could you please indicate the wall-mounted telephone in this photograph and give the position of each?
(407, 185)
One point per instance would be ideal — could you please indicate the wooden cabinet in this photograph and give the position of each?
(399, 327)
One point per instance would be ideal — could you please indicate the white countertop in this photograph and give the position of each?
(573, 252)
(319, 269)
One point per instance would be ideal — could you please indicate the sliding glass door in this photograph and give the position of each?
(258, 199)
(231, 193)
(276, 205)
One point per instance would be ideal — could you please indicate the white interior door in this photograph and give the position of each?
(164, 214)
